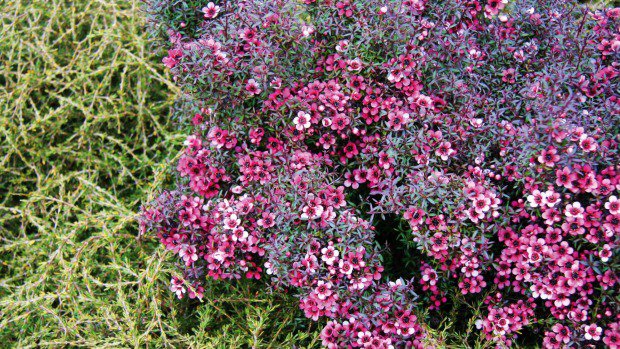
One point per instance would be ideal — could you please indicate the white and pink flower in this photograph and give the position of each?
(302, 121)
(211, 10)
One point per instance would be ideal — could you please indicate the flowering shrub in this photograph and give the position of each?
(487, 130)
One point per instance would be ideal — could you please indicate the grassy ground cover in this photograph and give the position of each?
(85, 138)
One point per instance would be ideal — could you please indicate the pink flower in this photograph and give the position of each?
(345, 267)
(588, 144)
(493, 7)
(354, 65)
(327, 141)
(248, 34)
(364, 338)
(302, 121)
(424, 102)
(550, 198)
(240, 234)
(311, 212)
(267, 220)
(339, 122)
(345, 8)
(397, 120)
(323, 289)
(176, 286)
(252, 87)
(613, 205)
(551, 216)
(592, 332)
(612, 336)
(350, 181)
(548, 157)
(342, 45)
(196, 291)
(329, 255)
(414, 215)
(445, 150)
(605, 253)
(430, 277)
(481, 203)
(231, 222)
(508, 76)
(276, 83)
(211, 10)
(564, 178)
(350, 150)
(174, 55)
(562, 333)
(188, 254)
(574, 210)
(535, 199)
(405, 323)
(307, 30)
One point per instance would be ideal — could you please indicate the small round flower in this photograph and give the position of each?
(574, 210)
(612, 336)
(592, 332)
(188, 254)
(311, 212)
(248, 34)
(588, 144)
(445, 150)
(536, 198)
(354, 65)
(564, 177)
(364, 337)
(276, 83)
(267, 220)
(549, 157)
(508, 76)
(550, 198)
(605, 253)
(252, 87)
(345, 267)
(302, 121)
(176, 286)
(350, 150)
(307, 30)
(493, 7)
(339, 122)
(613, 205)
(561, 333)
(342, 45)
(329, 255)
(323, 289)
(231, 222)
(211, 10)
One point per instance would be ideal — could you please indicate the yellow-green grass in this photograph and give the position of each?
(85, 138)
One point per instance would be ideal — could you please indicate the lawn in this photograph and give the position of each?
(85, 139)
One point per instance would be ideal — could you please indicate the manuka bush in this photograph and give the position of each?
(477, 138)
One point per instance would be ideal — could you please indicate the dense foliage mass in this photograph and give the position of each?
(481, 136)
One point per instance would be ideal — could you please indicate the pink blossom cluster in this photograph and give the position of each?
(482, 135)
(302, 232)
(502, 321)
